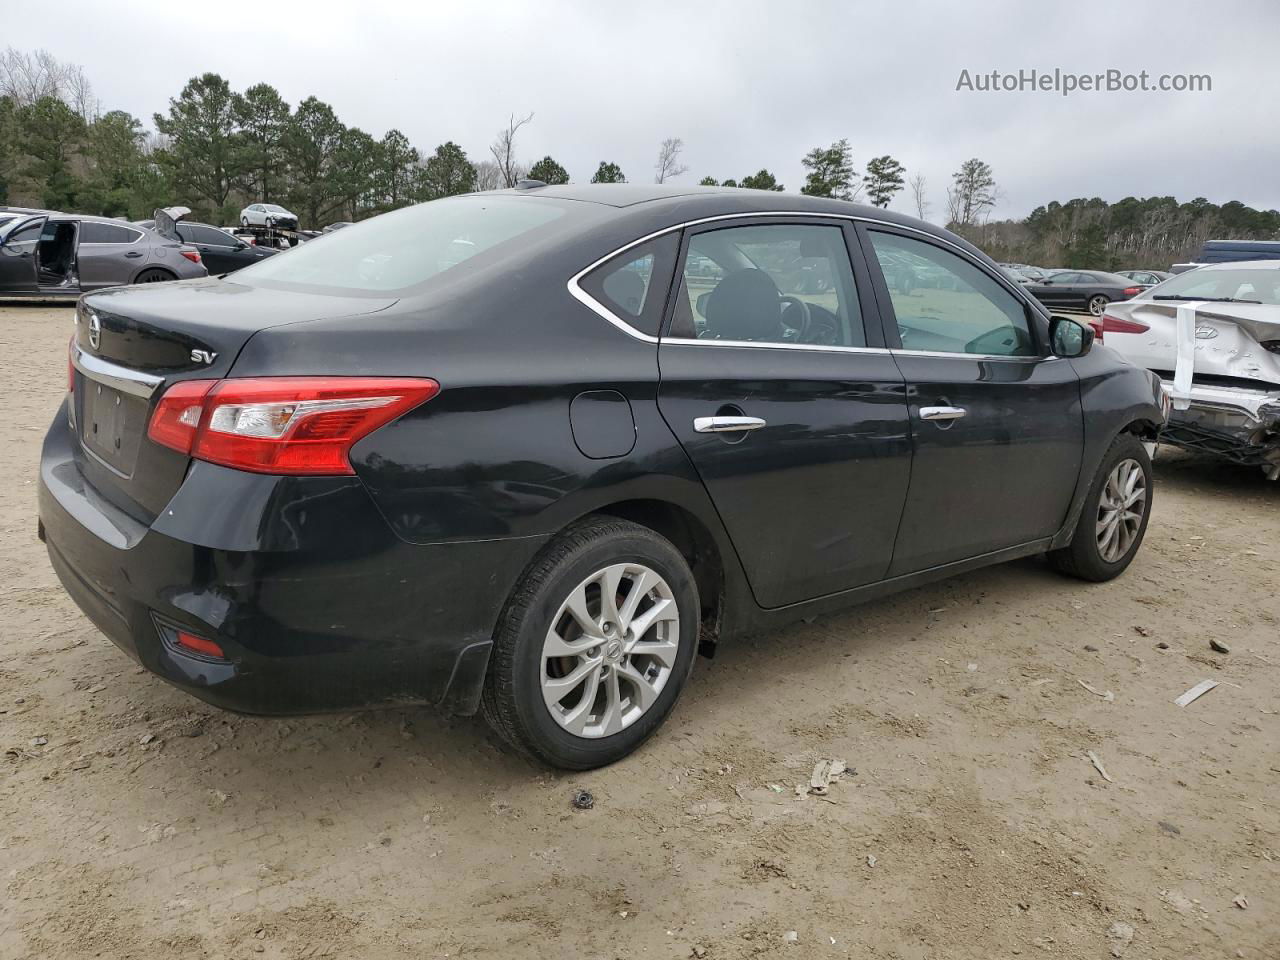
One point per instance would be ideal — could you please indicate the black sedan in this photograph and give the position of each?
(222, 253)
(1088, 290)
(531, 451)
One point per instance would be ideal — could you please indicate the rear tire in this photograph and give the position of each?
(244, 221)
(1098, 305)
(1115, 514)
(154, 275)
(581, 696)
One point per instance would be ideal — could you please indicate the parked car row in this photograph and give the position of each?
(52, 255)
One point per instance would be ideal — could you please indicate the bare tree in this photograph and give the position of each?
(79, 93)
(488, 176)
(669, 166)
(503, 150)
(918, 186)
(28, 77)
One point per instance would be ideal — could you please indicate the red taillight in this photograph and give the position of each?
(178, 414)
(1112, 324)
(1132, 291)
(200, 645)
(282, 425)
(191, 255)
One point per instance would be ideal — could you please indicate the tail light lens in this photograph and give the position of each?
(282, 425)
(1112, 324)
(1132, 291)
(191, 255)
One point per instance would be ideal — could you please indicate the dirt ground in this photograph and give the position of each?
(137, 822)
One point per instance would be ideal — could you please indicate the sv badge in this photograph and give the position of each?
(203, 356)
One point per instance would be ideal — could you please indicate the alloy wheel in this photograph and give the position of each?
(610, 650)
(1097, 305)
(1121, 507)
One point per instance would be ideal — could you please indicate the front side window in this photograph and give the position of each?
(778, 283)
(633, 285)
(24, 233)
(945, 304)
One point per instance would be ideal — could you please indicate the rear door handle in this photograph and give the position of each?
(133, 254)
(726, 424)
(942, 413)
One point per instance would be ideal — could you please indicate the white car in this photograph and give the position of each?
(1213, 336)
(268, 215)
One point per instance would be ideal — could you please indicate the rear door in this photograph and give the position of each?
(109, 254)
(18, 257)
(775, 379)
(997, 424)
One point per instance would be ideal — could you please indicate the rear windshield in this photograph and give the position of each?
(398, 251)
(1240, 284)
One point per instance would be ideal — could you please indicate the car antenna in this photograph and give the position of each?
(529, 184)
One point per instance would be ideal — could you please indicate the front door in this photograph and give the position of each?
(775, 379)
(996, 422)
(18, 258)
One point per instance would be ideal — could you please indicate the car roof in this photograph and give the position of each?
(661, 205)
(1237, 264)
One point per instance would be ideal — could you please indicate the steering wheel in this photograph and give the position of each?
(806, 318)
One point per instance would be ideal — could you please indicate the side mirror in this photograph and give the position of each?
(1047, 282)
(700, 304)
(1069, 338)
(241, 245)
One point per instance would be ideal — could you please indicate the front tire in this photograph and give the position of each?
(1114, 519)
(594, 645)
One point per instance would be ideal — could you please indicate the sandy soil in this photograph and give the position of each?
(136, 822)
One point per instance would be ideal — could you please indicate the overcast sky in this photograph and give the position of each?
(746, 84)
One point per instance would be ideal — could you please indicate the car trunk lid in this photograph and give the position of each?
(133, 343)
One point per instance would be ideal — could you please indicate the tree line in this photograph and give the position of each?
(216, 149)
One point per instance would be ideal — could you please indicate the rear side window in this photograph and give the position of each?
(633, 285)
(400, 251)
(93, 232)
(945, 304)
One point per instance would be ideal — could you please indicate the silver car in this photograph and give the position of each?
(56, 255)
(1213, 336)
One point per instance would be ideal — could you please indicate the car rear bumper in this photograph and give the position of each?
(1238, 423)
(317, 605)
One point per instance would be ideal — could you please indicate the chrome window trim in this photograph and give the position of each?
(598, 308)
(115, 376)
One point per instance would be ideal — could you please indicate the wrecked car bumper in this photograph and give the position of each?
(1238, 423)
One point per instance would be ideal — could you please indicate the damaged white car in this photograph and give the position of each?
(1213, 336)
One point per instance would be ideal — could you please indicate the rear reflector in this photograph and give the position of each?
(1112, 324)
(282, 425)
(206, 648)
(191, 255)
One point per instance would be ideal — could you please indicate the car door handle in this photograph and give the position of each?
(726, 424)
(942, 413)
(133, 254)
